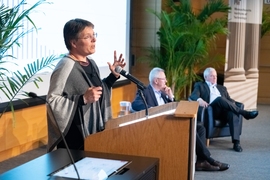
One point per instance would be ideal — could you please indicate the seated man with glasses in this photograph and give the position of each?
(156, 94)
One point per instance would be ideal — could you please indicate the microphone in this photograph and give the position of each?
(34, 95)
(126, 74)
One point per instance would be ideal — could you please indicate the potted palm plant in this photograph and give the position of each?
(12, 29)
(186, 39)
(28, 131)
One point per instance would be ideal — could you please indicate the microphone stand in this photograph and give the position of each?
(62, 136)
(144, 101)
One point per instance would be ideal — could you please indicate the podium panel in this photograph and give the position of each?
(168, 134)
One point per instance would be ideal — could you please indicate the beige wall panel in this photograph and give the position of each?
(141, 68)
(264, 57)
(142, 18)
(144, 37)
(265, 42)
(263, 91)
(264, 71)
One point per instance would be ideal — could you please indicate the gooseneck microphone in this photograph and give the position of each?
(139, 84)
(34, 95)
(126, 74)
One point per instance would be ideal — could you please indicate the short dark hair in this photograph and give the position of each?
(73, 28)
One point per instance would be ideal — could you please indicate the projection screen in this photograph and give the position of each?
(112, 25)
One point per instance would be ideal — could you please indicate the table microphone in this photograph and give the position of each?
(34, 95)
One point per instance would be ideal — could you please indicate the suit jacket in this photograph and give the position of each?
(150, 99)
(201, 90)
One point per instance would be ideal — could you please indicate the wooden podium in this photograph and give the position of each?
(168, 134)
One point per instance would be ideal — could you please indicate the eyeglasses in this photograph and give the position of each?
(90, 37)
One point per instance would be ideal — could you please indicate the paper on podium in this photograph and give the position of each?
(93, 168)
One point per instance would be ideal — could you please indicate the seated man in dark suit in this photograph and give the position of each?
(209, 93)
(157, 93)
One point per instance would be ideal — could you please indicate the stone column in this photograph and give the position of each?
(253, 34)
(234, 69)
(241, 70)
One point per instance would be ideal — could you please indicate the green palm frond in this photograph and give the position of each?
(13, 86)
(212, 7)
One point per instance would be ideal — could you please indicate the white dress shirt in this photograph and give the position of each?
(160, 100)
(214, 92)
